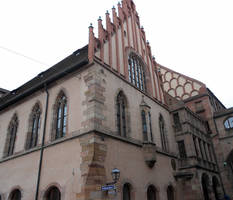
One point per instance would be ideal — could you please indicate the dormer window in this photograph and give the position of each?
(136, 72)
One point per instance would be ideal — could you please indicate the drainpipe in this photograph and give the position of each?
(42, 145)
(215, 157)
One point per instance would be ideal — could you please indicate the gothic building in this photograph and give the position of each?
(110, 109)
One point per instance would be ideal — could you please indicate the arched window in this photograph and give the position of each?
(170, 193)
(53, 193)
(151, 193)
(15, 195)
(144, 126)
(60, 122)
(163, 135)
(34, 124)
(146, 121)
(11, 136)
(136, 72)
(127, 191)
(228, 123)
(121, 114)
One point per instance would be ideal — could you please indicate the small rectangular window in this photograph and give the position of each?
(177, 123)
(181, 148)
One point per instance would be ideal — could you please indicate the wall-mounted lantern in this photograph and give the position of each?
(110, 188)
(115, 175)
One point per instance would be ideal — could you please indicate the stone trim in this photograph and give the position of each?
(94, 103)
(79, 134)
(93, 154)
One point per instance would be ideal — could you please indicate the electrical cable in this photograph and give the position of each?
(20, 54)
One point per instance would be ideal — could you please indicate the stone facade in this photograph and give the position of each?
(167, 143)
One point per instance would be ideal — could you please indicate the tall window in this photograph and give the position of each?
(228, 123)
(151, 134)
(210, 152)
(181, 148)
(136, 72)
(200, 146)
(15, 195)
(61, 116)
(121, 114)
(11, 136)
(53, 194)
(127, 191)
(170, 193)
(144, 126)
(195, 146)
(34, 124)
(177, 123)
(163, 135)
(151, 193)
(146, 121)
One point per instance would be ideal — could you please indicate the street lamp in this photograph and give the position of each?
(115, 175)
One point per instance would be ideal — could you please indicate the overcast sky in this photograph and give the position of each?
(194, 37)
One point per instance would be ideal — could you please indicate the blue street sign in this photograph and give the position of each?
(108, 187)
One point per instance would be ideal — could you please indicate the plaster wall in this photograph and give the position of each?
(71, 87)
(129, 160)
(61, 167)
(114, 84)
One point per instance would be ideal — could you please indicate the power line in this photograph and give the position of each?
(20, 54)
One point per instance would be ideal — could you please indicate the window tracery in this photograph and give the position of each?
(34, 125)
(146, 121)
(136, 72)
(121, 114)
(60, 117)
(11, 136)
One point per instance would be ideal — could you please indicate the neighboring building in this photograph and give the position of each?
(110, 105)
(3, 92)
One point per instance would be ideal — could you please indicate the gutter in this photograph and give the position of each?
(42, 145)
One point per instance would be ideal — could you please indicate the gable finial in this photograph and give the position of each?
(91, 25)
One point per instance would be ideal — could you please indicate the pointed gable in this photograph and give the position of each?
(123, 35)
